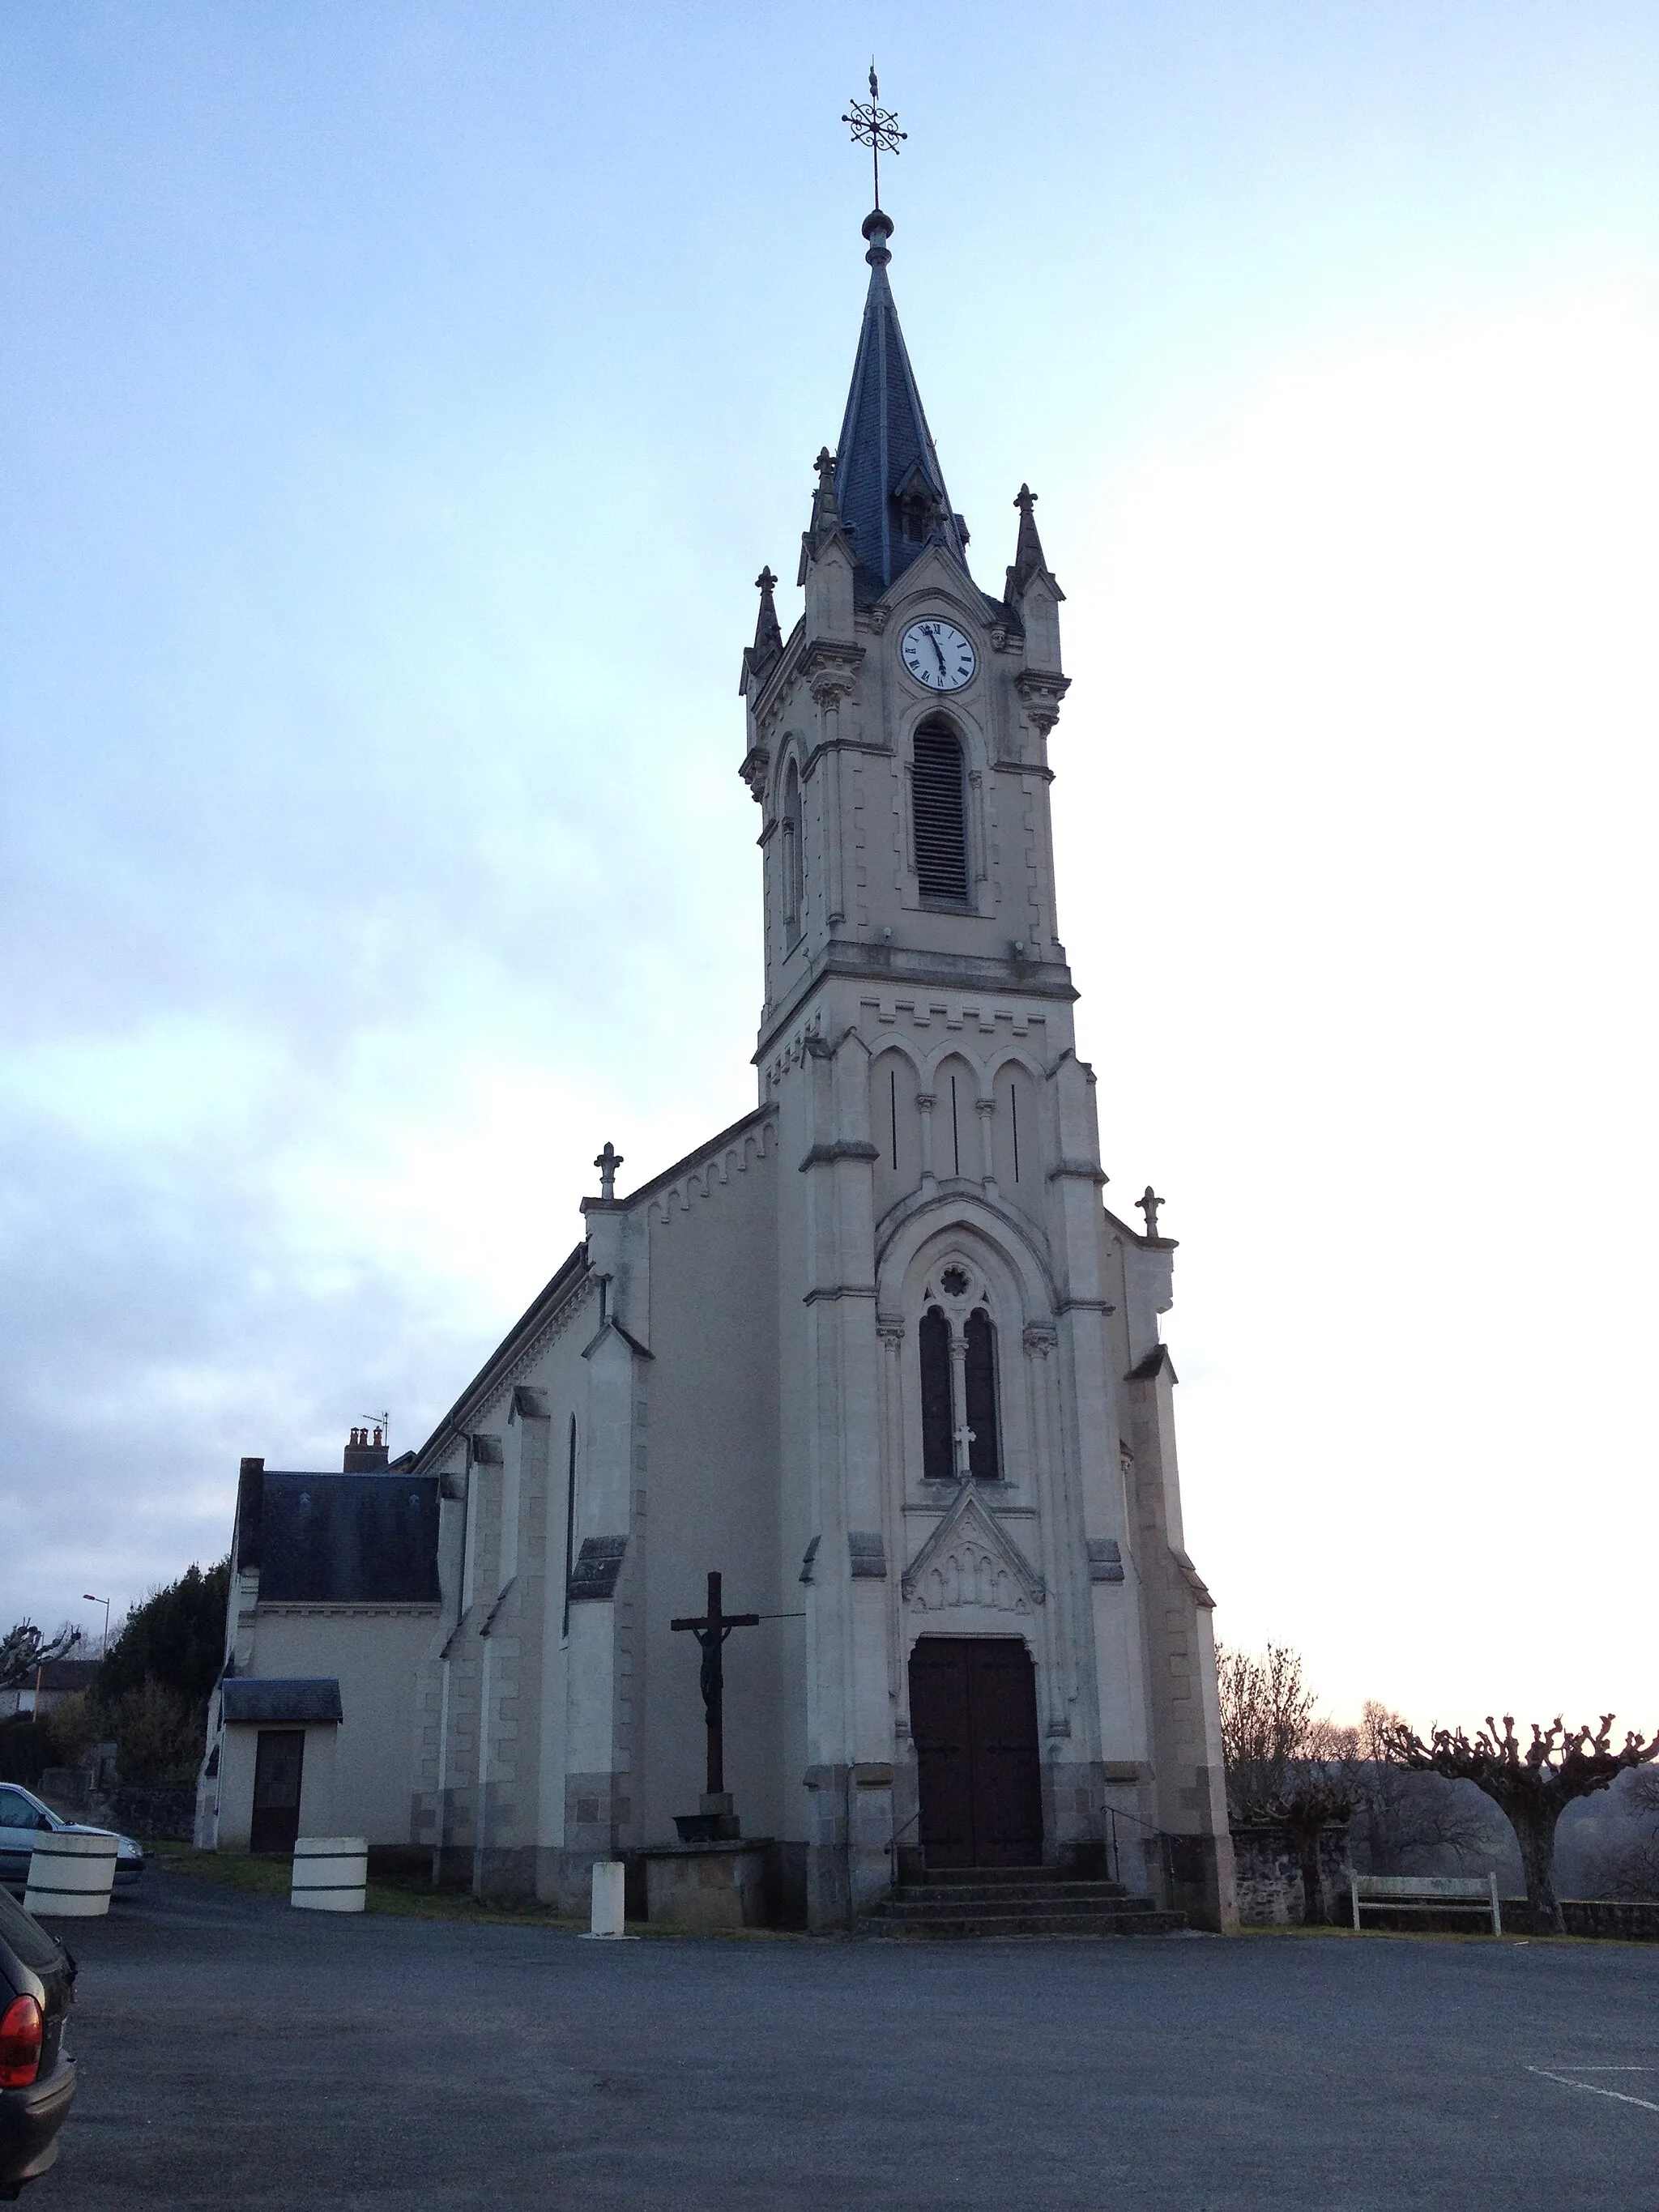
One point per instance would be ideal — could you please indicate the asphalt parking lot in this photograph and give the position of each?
(236, 2053)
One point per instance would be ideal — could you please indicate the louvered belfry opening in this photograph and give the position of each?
(941, 816)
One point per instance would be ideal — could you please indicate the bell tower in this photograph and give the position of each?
(898, 737)
(963, 1330)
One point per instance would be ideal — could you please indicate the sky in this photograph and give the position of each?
(397, 402)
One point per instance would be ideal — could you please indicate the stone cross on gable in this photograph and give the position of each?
(1149, 1202)
(607, 1163)
(963, 1438)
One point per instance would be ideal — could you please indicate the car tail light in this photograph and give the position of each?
(22, 2031)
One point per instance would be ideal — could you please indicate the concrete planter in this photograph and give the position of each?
(330, 1874)
(71, 1876)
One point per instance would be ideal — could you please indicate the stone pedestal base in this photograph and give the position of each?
(714, 1885)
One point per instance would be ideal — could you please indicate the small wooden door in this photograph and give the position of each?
(278, 1763)
(973, 1715)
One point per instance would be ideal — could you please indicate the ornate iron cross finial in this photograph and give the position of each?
(1149, 1202)
(876, 127)
(607, 1163)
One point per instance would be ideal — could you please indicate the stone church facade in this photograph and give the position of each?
(879, 1352)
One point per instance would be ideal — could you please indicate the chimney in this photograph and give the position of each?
(362, 1457)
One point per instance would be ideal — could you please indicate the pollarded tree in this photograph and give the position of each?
(1532, 1788)
(25, 1649)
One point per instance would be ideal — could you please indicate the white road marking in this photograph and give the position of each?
(1592, 2089)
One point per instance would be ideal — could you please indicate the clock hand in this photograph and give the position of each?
(938, 655)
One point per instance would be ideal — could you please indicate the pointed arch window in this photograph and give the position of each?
(569, 1525)
(984, 1450)
(794, 872)
(940, 812)
(934, 1339)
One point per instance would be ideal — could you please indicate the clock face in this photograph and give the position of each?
(939, 655)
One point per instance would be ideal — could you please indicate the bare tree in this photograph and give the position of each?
(1409, 1821)
(1265, 1716)
(1281, 1764)
(25, 1649)
(1633, 1869)
(1534, 1789)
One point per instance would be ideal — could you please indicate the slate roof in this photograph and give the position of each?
(268, 1699)
(885, 445)
(340, 1539)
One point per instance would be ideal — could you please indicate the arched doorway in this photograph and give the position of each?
(972, 1718)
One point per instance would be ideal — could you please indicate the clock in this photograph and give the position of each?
(939, 655)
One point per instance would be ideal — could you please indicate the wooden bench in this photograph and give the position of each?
(1429, 1893)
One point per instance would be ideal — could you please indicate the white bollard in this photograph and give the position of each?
(330, 1873)
(606, 1918)
(70, 1875)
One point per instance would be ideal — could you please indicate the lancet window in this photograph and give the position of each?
(569, 1522)
(984, 1455)
(934, 1338)
(794, 871)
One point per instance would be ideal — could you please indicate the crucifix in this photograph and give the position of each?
(711, 1630)
(1149, 1202)
(607, 1163)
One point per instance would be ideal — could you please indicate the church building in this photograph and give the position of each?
(879, 1353)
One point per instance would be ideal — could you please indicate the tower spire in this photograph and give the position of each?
(889, 485)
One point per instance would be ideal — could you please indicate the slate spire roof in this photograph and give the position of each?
(889, 485)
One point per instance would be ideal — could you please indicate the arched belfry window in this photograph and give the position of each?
(934, 1340)
(984, 1458)
(939, 800)
(794, 873)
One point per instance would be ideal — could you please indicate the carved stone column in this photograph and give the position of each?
(830, 685)
(986, 1107)
(959, 1431)
(925, 1108)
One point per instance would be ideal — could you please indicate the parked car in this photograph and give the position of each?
(22, 1816)
(36, 2075)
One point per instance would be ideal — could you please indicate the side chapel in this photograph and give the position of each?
(879, 1352)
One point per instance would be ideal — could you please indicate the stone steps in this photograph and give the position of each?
(1015, 1901)
(976, 1893)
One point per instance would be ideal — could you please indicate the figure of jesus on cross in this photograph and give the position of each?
(711, 1630)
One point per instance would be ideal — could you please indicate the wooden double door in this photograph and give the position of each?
(973, 1716)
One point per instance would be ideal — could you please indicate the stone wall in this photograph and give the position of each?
(1267, 1871)
(152, 1814)
(1616, 1919)
(155, 1815)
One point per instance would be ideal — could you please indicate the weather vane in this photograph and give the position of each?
(876, 127)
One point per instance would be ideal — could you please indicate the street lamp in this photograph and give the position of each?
(103, 1602)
